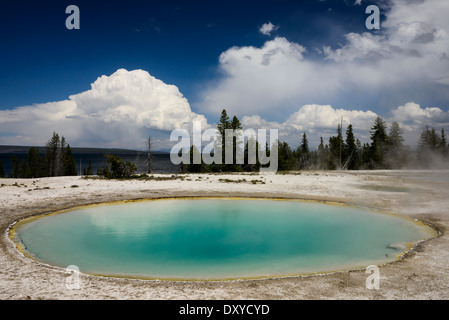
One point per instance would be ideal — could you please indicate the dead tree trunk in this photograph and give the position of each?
(347, 161)
(149, 155)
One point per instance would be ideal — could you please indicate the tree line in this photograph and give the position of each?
(386, 150)
(57, 161)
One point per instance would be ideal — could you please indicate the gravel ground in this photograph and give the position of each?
(422, 274)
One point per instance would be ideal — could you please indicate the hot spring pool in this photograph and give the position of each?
(216, 238)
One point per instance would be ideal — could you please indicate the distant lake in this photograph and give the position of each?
(160, 161)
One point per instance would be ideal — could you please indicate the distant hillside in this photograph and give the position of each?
(75, 150)
(160, 162)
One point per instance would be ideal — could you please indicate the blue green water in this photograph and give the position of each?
(216, 238)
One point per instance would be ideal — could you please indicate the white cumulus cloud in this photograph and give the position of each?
(268, 28)
(119, 110)
(317, 121)
(413, 117)
(318, 117)
(322, 121)
(407, 60)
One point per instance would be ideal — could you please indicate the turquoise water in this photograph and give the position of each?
(216, 238)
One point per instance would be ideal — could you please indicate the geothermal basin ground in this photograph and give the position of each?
(422, 273)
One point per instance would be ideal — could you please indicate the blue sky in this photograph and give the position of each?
(178, 42)
(322, 64)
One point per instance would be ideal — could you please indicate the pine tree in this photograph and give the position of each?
(303, 153)
(365, 157)
(251, 161)
(286, 159)
(358, 154)
(443, 143)
(334, 160)
(430, 147)
(396, 152)
(62, 145)
(349, 150)
(53, 156)
(321, 155)
(222, 125)
(379, 144)
(68, 162)
(434, 140)
(340, 145)
(236, 126)
(395, 136)
(424, 147)
(233, 126)
(195, 167)
(326, 157)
